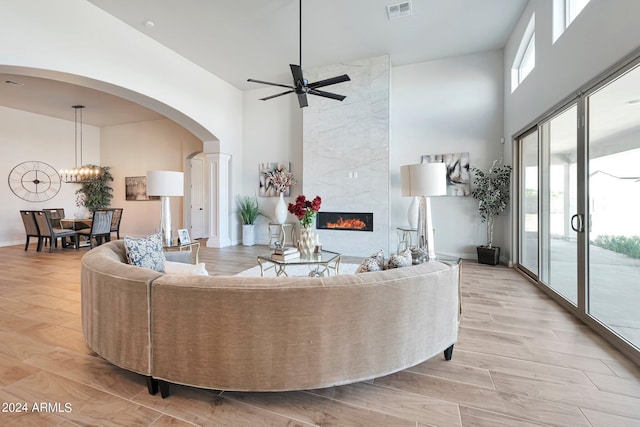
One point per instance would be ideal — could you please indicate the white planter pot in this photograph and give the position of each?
(248, 236)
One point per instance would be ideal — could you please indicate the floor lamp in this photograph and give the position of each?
(424, 180)
(165, 184)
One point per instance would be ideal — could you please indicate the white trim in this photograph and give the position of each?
(218, 176)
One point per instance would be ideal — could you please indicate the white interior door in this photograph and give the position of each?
(197, 199)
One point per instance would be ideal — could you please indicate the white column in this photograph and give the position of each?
(219, 183)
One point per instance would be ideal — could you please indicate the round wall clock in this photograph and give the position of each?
(34, 181)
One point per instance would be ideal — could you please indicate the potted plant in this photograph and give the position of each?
(249, 213)
(492, 192)
(96, 192)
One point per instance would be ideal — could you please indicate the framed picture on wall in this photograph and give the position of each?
(136, 189)
(266, 188)
(458, 182)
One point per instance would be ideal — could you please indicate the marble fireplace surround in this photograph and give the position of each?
(346, 151)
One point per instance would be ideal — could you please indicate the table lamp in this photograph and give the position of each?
(165, 184)
(423, 181)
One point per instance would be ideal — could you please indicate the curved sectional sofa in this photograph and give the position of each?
(265, 333)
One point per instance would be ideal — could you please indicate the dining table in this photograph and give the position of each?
(76, 223)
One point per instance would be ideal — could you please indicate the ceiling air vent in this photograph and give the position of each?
(399, 10)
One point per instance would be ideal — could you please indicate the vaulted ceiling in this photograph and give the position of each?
(241, 39)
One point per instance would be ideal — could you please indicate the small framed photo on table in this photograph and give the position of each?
(183, 236)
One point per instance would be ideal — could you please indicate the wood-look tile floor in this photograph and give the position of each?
(520, 360)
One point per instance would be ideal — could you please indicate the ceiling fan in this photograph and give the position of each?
(301, 86)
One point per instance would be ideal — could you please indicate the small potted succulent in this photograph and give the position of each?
(249, 213)
(492, 193)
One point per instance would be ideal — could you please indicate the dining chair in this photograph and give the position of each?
(55, 215)
(100, 227)
(115, 221)
(31, 228)
(53, 233)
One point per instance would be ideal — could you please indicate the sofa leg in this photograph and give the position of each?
(152, 385)
(448, 353)
(164, 388)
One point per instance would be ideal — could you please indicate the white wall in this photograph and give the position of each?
(272, 133)
(447, 106)
(132, 150)
(436, 107)
(76, 42)
(77, 37)
(26, 136)
(603, 33)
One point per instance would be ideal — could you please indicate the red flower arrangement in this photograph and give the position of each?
(305, 210)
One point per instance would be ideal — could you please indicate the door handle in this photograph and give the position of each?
(580, 221)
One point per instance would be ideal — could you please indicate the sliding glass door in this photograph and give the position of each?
(579, 205)
(614, 205)
(559, 144)
(528, 178)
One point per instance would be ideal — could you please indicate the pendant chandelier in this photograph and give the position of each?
(79, 174)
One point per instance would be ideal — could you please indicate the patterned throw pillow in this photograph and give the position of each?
(374, 263)
(401, 259)
(145, 252)
(379, 257)
(369, 264)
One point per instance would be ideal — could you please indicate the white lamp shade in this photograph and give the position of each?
(424, 179)
(165, 183)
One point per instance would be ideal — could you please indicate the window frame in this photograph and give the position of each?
(525, 55)
(564, 13)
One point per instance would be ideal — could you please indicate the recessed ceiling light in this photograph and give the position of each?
(149, 23)
(12, 83)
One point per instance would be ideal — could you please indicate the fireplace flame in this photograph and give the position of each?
(351, 224)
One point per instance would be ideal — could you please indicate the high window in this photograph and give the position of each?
(564, 12)
(525, 59)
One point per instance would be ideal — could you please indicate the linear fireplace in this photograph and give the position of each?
(357, 221)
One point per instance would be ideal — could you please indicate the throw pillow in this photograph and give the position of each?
(401, 259)
(369, 264)
(379, 257)
(145, 252)
(183, 269)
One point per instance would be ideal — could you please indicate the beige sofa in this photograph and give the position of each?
(262, 333)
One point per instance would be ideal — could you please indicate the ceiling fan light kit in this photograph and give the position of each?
(301, 87)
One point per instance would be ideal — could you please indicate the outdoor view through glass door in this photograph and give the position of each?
(614, 206)
(579, 202)
(559, 183)
(529, 202)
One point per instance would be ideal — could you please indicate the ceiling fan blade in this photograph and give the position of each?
(331, 81)
(296, 71)
(269, 83)
(302, 100)
(326, 94)
(276, 95)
